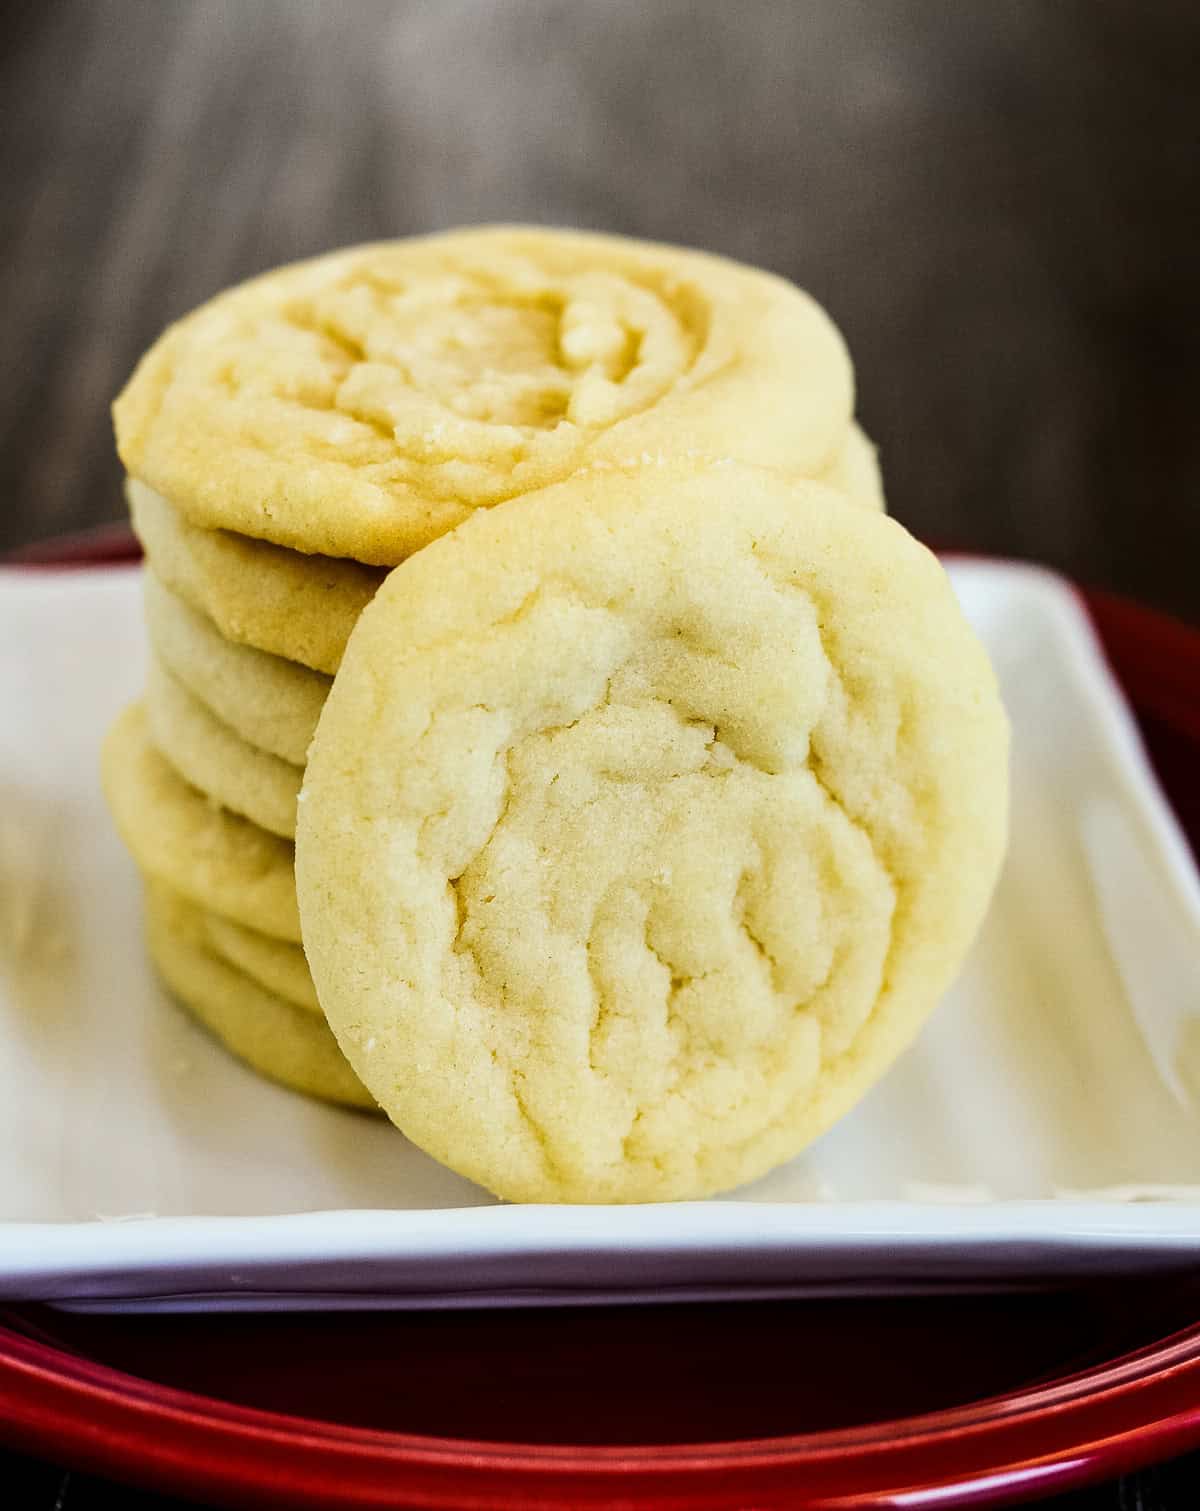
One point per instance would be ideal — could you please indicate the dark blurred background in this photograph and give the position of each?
(997, 202)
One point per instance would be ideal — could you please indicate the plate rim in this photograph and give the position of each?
(36, 1258)
(1045, 1438)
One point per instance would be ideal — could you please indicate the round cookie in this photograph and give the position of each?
(643, 827)
(366, 402)
(270, 702)
(299, 607)
(213, 857)
(273, 963)
(216, 760)
(274, 1037)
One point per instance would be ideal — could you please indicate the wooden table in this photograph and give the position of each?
(997, 203)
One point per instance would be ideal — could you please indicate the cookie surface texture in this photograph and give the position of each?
(274, 1037)
(855, 470)
(270, 702)
(643, 827)
(364, 403)
(176, 835)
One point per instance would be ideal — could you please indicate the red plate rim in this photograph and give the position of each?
(1101, 1421)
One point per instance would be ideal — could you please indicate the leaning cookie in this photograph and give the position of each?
(364, 403)
(646, 822)
(176, 835)
(274, 1037)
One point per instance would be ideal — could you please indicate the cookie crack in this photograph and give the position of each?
(601, 1006)
(688, 317)
(303, 319)
(816, 769)
(677, 1027)
(775, 573)
(462, 945)
(353, 354)
(553, 1167)
(741, 912)
(678, 1073)
(677, 982)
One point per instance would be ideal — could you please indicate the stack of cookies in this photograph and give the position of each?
(639, 791)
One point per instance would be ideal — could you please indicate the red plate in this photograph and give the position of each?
(916, 1402)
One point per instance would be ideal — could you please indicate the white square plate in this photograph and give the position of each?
(1046, 1124)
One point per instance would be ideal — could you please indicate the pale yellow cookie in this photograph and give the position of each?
(855, 470)
(299, 607)
(287, 613)
(273, 963)
(216, 760)
(368, 401)
(644, 825)
(176, 835)
(274, 1037)
(270, 702)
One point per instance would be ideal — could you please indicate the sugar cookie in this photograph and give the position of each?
(855, 470)
(216, 760)
(274, 1037)
(176, 835)
(644, 825)
(270, 702)
(273, 963)
(299, 607)
(368, 401)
